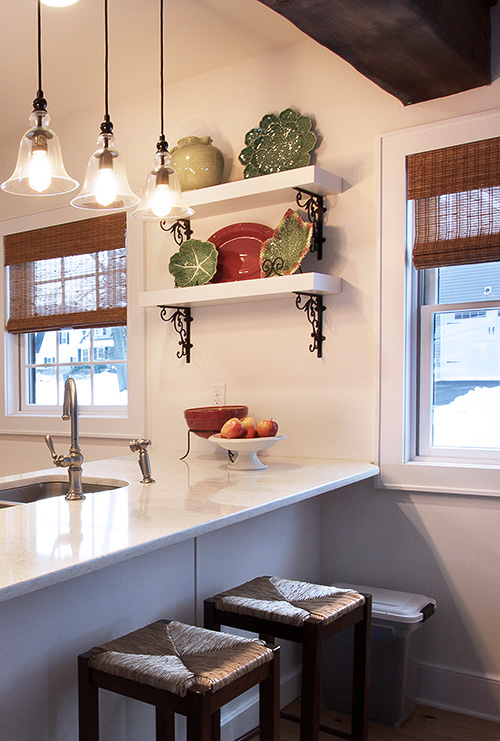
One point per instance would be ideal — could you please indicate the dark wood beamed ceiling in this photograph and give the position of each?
(414, 49)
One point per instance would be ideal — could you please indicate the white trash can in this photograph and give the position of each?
(396, 638)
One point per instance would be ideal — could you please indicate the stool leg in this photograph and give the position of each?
(165, 725)
(361, 675)
(199, 721)
(216, 726)
(310, 687)
(266, 638)
(88, 703)
(208, 615)
(269, 702)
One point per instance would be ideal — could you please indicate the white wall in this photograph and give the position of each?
(327, 407)
(442, 546)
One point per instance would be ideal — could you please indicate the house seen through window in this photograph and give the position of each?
(95, 358)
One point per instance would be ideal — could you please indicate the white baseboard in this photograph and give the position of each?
(241, 715)
(459, 691)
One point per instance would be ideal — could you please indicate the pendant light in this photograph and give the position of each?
(162, 198)
(59, 3)
(39, 170)
(106, 186)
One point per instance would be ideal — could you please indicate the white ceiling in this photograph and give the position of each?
(200, 35)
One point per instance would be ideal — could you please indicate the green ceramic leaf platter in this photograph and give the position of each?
(281, 142)
(282, 253)
(194, 264)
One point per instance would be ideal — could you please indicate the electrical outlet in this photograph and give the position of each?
(219, 394)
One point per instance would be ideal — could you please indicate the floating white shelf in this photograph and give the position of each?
(264, 190)
(220, 200)
(243, 290)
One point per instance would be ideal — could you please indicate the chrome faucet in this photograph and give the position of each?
(141, 445)
(73, 461)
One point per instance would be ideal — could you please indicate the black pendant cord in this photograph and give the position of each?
(39, 104)
(162, 145)
(106, 126)
(106, 61)
(162, 80)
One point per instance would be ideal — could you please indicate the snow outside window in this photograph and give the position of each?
(459, 379)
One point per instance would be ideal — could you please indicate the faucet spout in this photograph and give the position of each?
(70, 410)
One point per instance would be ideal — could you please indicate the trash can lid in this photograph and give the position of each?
(400, 607)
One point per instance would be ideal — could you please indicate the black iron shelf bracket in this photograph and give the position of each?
(181, 321)
(312, 304)
(180, 230)
(315, 208)
(273, 267)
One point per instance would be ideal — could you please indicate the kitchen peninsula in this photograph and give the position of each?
(73, 574)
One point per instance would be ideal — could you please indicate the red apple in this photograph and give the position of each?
(267, 428)
(233, 428)
(251, 432)
(249, 423)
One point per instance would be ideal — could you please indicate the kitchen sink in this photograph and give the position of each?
(24, 493)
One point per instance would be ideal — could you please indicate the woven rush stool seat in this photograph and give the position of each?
(308, 614)
(183, 669)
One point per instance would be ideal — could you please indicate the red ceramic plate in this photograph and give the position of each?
(238, 247)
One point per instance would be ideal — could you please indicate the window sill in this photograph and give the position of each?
(441, 477)
(118, 427)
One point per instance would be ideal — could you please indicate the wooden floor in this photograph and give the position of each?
(425, 724)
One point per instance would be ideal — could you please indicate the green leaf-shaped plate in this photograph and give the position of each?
(282, 253)
(279, 143)
(195, 263)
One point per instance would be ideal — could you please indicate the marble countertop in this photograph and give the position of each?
(46, 542)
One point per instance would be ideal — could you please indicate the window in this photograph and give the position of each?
(75, 275)
(440, 361)
(72, 313)
(454, 233)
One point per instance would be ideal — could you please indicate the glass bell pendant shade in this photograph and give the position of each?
(106, 186)
(59, 3)
(39, 170)
(162, 197)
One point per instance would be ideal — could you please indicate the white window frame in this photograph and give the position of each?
(118, 424)
(400, 466)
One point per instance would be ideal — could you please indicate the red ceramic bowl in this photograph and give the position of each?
(206, 421)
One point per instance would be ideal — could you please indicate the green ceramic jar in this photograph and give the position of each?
(198, 163)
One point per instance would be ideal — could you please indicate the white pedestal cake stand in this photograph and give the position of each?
(247, 449)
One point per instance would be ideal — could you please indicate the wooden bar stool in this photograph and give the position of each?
(182, 669)
(308, 614)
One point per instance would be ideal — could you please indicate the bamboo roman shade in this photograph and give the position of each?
(456, 191)
(69, 275)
